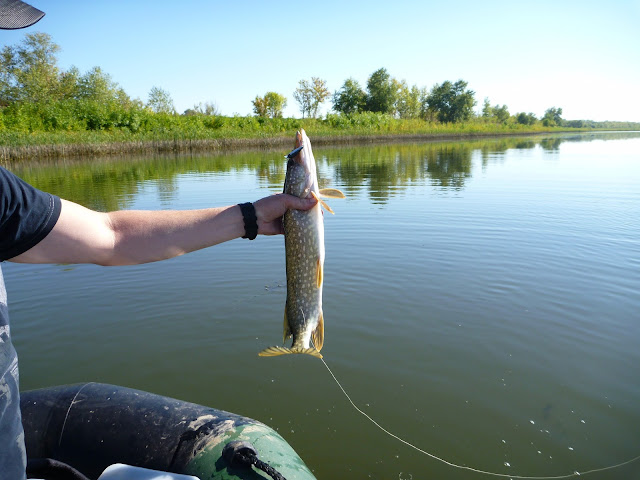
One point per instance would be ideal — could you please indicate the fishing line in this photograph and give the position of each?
(471, 469)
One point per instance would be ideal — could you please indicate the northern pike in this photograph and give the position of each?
(304, 247)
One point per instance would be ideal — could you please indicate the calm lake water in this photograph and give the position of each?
(482, 301)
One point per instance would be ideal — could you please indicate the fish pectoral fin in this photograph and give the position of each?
(331, 193)
(276, 351)
(286, 333)
(318, 333)
(323, 203)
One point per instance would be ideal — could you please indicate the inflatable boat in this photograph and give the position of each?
(92, 426)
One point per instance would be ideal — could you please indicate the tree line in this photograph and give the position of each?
(448, 102)
(36, 95)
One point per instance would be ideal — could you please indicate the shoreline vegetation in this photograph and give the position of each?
(46, 112)
(249, 133)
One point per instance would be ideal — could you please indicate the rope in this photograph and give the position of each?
(252, 459)
(239, 453)
(476, 470)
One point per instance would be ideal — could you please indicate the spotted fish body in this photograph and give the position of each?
(304, 246)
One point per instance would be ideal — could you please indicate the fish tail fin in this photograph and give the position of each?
(275, 351)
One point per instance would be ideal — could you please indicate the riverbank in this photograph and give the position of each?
(97, 144)
(166, 133)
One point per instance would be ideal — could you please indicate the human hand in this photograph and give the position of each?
(269, 211)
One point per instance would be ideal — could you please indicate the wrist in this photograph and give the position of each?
(250, 220)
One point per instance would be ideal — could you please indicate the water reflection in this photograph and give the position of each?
(379, 170)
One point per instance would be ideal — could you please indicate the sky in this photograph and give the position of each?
(581, 56)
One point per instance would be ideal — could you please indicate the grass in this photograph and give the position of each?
(174, 133)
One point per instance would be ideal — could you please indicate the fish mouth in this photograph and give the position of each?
(299, 138)
(303, 145)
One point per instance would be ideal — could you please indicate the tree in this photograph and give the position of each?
(96, 85)
(380, 92)
(487, 109)
(29, 72)
(275, 104)
(160, 101)
(350, 98)
(497, 113)
(407, 103)
(501, 113)
(320, 93)
(271, 105)
(526, 118)
(451, 102)
(206, 108)
(310, 95)
(304, 96)
(552, 117)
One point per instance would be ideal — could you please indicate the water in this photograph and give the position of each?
(481, 301)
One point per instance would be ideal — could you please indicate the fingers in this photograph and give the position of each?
(301, 203)
(269, 211)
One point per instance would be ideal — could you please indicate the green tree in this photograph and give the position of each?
(381, 92)
(270, 105)
(97, 85)
(29, 71)
(320, 94)
(451, 101)
(260, 106)
(275, 104)
(160, 101)
(487, 109)
(407, 103)
(310, 95)
(526, 118)
(68, 85)
(304, 96)
(501, 113)
(350, 98)
(552, 117)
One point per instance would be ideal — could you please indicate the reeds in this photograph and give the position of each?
(175, 133)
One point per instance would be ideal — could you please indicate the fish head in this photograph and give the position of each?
(301, 178)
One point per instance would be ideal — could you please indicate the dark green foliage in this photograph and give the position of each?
(381, 94)
(451, 102)
(350, 98)
(526, 118)
(552, 117)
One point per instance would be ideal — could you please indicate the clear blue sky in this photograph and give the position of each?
(583, 56)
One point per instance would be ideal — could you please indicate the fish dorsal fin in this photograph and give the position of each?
(319, 273)
(286, 333)
(331, 193)
(318, 333)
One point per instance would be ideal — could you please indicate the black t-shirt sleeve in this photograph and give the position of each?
(27, 215)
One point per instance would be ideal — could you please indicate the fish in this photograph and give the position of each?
(305, 253)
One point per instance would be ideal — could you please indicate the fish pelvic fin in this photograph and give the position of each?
(318, 334)
(276, 351)
(322, 202)
(327, 193)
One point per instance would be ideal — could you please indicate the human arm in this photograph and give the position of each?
(129, 237)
